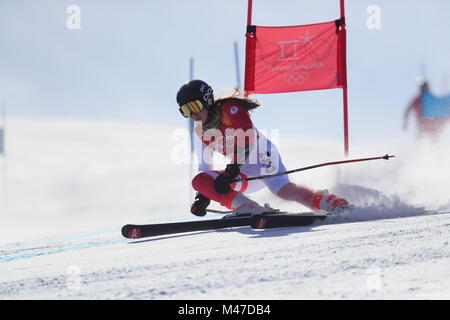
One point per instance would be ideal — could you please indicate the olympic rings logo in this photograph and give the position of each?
(296, 77)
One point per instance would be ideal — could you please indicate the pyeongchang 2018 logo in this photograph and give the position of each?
(295, 59)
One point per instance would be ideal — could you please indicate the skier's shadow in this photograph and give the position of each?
(271, 233)
(267, 233)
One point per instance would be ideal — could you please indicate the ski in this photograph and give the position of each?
(258, 221)
(133, 231)
(281, 220)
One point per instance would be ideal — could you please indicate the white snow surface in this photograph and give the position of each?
(68, 185)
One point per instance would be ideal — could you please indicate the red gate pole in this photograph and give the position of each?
(249, 12)
(344, 66)
(249, 60)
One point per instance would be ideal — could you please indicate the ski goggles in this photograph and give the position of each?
(191, 107)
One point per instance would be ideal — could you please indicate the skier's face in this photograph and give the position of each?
(200, 116)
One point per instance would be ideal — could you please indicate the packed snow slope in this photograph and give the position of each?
(69, 185)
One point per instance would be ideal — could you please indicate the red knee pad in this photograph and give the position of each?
(204, 183)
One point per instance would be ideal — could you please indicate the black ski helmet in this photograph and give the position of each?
(196, 90)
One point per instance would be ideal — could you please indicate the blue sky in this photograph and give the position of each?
(129, 58)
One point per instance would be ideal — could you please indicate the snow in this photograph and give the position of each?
(71, 184)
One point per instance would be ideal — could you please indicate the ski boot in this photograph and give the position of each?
(247, 207)
(330, 203)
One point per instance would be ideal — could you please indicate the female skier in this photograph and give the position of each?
(224, 126)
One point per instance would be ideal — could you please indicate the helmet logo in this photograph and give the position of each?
(207, 94)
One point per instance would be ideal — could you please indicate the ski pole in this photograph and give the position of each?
(386, 157)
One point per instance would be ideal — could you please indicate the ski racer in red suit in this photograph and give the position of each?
(225, 126)
(425, 126)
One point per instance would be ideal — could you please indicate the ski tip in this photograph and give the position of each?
(131, 232)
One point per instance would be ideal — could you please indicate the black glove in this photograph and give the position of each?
(200, 204)
(224, 180)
